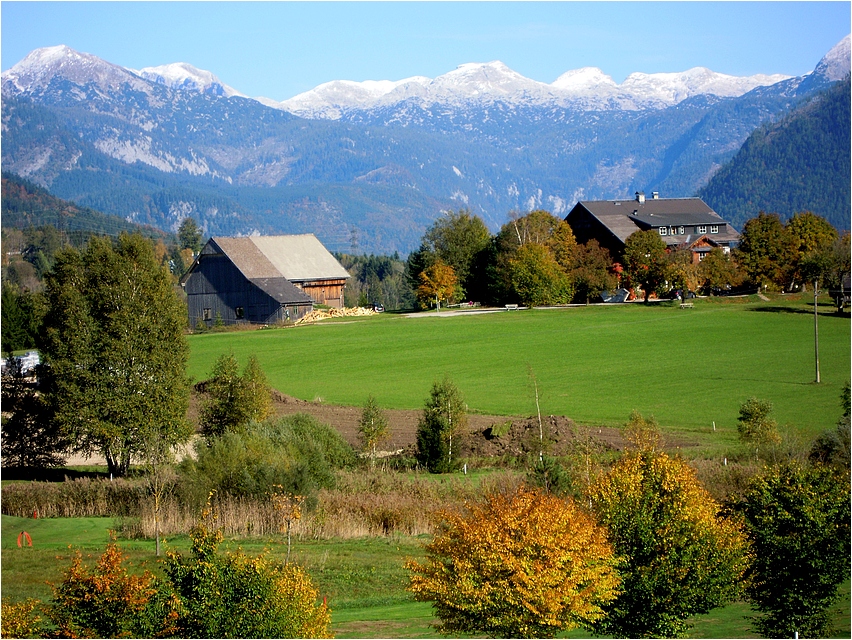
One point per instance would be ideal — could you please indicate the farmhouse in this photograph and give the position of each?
(262, 279)
(686, 222)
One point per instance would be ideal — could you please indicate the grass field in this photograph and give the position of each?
(687, 367)
(363, 580)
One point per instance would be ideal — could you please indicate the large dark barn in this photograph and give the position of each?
(262, 279)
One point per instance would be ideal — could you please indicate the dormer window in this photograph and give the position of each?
(664, 231)
(680, 230)
(701, 229)
(714, 228)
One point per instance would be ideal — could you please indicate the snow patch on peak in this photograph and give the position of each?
(583, 80)
(181, 75)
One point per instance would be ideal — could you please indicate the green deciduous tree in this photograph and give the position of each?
(234, 399)
(114, 345)
(458, 238)
(520, 565)
(22, 314)
(645, 262)
(680, 557)
(767, 251)
(441, 427)
(372, 428)
(535, 228)
(537, 278)
(718, 270)
(30, 437)
(812, 235)
(592, 271)
(296, 453)
(798, 521)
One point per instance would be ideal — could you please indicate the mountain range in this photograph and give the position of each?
(368, 166)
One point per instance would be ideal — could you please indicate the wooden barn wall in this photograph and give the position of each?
(328, 292)
(216, 284)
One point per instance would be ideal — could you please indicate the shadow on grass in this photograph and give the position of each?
(52, 474)
(821, 310)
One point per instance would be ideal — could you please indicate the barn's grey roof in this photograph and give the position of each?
(281, 290)
(299, 258)
(624, 217)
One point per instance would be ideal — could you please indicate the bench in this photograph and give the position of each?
(511, 307)
(686, 305)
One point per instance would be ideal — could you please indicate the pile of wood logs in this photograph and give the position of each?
(323, 314)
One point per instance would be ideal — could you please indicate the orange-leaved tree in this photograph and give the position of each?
(520, 564)
(681, 557)
(437, 282)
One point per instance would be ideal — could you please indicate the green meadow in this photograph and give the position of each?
(689, 368)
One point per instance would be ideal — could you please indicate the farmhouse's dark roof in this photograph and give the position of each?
(299, 258)
(624, 217)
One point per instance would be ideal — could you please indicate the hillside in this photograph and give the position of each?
(801, 163)
(25, 204)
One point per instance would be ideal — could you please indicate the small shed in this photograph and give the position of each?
(262, 279)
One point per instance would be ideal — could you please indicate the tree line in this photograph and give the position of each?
(535, 260)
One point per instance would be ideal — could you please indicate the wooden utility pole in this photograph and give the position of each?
(816, 330)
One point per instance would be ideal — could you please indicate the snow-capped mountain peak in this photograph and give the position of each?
(835, 65)
(41, 66)
(181, 75)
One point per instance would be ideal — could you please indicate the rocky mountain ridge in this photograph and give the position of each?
(159, 144)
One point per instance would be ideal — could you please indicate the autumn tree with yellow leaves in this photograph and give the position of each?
(521, 564)
(680, 556)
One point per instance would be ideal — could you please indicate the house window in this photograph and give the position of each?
(714, 228)
(701, 256)
(664, 231)
(239, 312)
(680, 230)
(207, 314)
(701, 229)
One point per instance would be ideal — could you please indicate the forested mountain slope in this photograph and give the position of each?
(801, 163)
(25, 204)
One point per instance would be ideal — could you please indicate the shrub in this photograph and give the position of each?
(755, 424)
(233, 595)
(522, 564)
(107, 602)
(21, 619)
(296, 454)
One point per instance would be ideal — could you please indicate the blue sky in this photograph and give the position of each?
(279, 49)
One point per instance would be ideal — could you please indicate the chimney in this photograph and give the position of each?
(640, 197)
(655, 195)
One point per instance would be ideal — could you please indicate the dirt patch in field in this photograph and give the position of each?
(488, 436)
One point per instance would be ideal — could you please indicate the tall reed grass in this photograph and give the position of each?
(361, 505)
(79, 498)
